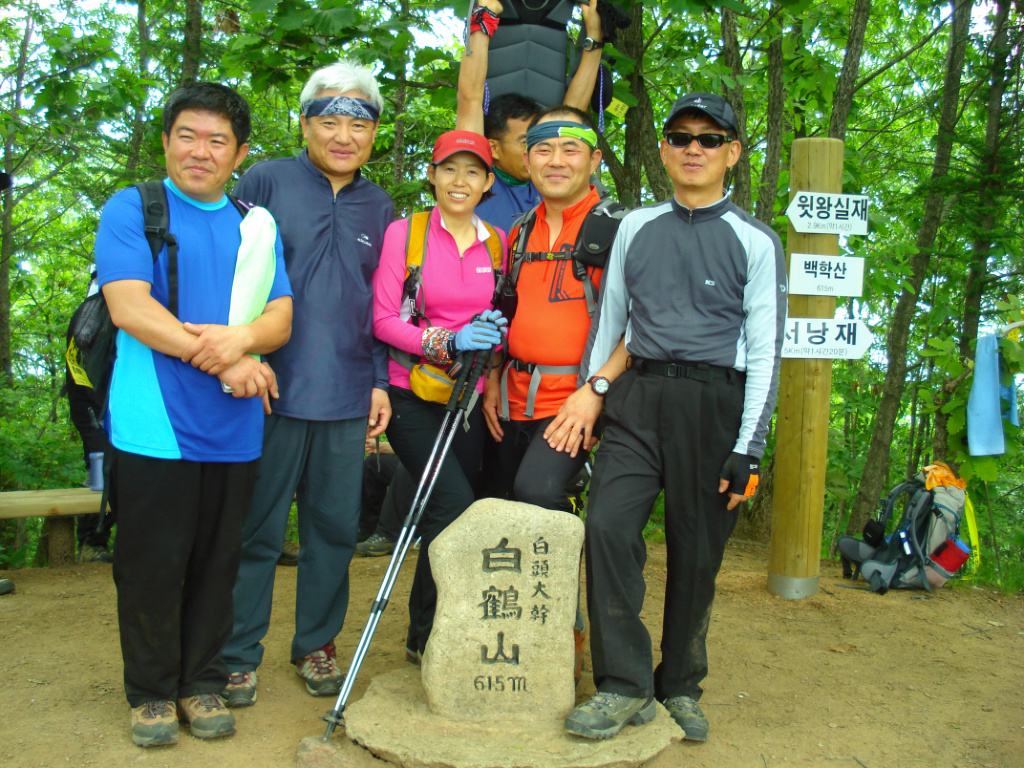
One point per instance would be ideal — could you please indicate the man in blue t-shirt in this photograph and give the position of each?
(185, 414)
(508, 116)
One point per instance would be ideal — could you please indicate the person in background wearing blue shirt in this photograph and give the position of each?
(185, 415)
(509, 115)
(332, 374)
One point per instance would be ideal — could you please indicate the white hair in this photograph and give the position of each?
(342, 76)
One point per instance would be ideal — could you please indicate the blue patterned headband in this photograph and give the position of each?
(343, 105)
(554, 128)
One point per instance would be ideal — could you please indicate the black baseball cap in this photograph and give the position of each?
(713, 106)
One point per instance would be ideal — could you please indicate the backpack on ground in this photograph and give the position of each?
(924, 549)
(92, 334)
(427, 381)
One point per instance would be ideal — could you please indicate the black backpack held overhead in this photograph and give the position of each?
(924, 549)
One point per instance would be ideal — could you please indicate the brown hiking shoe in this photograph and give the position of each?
(320, 671)
(206, 716)
(154, 724)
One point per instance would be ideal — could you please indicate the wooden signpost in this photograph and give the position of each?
(805, 389)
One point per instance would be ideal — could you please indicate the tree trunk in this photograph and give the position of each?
(876, 465)
(990, 184)
(135, 142)
(775, 121)
(842, 103)
(398, 146)
(7, 218)
(641, 134)
(192, 47)
(739, 176)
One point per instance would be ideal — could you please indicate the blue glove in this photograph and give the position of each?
(495, 316)
(477, 336)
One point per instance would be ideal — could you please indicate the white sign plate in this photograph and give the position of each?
(824, 213)
(811, 275)
(824, 337)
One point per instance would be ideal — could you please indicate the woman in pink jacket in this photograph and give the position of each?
(456, 285)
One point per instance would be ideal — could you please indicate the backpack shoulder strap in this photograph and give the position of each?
(157, 223)
(494, 248)
(241, 207)
(518, 249)
(889, 502)
(415, 253)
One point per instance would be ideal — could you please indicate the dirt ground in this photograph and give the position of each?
(844, 678)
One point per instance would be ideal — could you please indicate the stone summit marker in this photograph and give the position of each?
(507, 579)
(497, 676)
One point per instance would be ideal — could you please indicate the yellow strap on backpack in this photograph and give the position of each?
(416, 245)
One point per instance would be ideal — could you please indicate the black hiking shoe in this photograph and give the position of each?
(687, 713)
(608, 713)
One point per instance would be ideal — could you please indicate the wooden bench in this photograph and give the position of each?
(61, 505)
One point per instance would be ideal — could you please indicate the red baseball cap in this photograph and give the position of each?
(453, 142)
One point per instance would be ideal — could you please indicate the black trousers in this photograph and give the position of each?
(378, 472)
(388, 489)
(414, 426)
(671, 434)
(179, 543)
(532, 471)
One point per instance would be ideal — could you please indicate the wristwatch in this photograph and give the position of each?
(599, 384)
(590, 44)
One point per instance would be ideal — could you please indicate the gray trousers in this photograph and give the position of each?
(321, 463)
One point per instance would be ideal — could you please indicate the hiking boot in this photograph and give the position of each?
(607, 713)
(378, 544)
(686, 712)
(154, 724)
(413, 657)
(240, 690)
(206, 716)
(289, 554)
(6, 586)
(320, 671)
(92, 554)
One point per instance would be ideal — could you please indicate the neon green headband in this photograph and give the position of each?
(556, 128)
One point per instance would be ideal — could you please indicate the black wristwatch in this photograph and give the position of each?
(589, 44)
(599, 384)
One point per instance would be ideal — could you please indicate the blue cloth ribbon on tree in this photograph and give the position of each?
(985, 404)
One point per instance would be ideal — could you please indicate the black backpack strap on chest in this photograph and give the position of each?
(590, 251)
(157, 222)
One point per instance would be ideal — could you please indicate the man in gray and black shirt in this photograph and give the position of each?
(692, 310)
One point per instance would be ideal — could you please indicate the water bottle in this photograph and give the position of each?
(96, 471)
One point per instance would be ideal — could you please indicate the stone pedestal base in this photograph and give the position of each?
(393, 722)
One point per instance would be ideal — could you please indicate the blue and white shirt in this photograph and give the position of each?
(159, 406)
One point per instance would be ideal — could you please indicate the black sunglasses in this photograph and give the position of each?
(706, 140)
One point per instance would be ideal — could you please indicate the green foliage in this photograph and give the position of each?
(81, 113)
